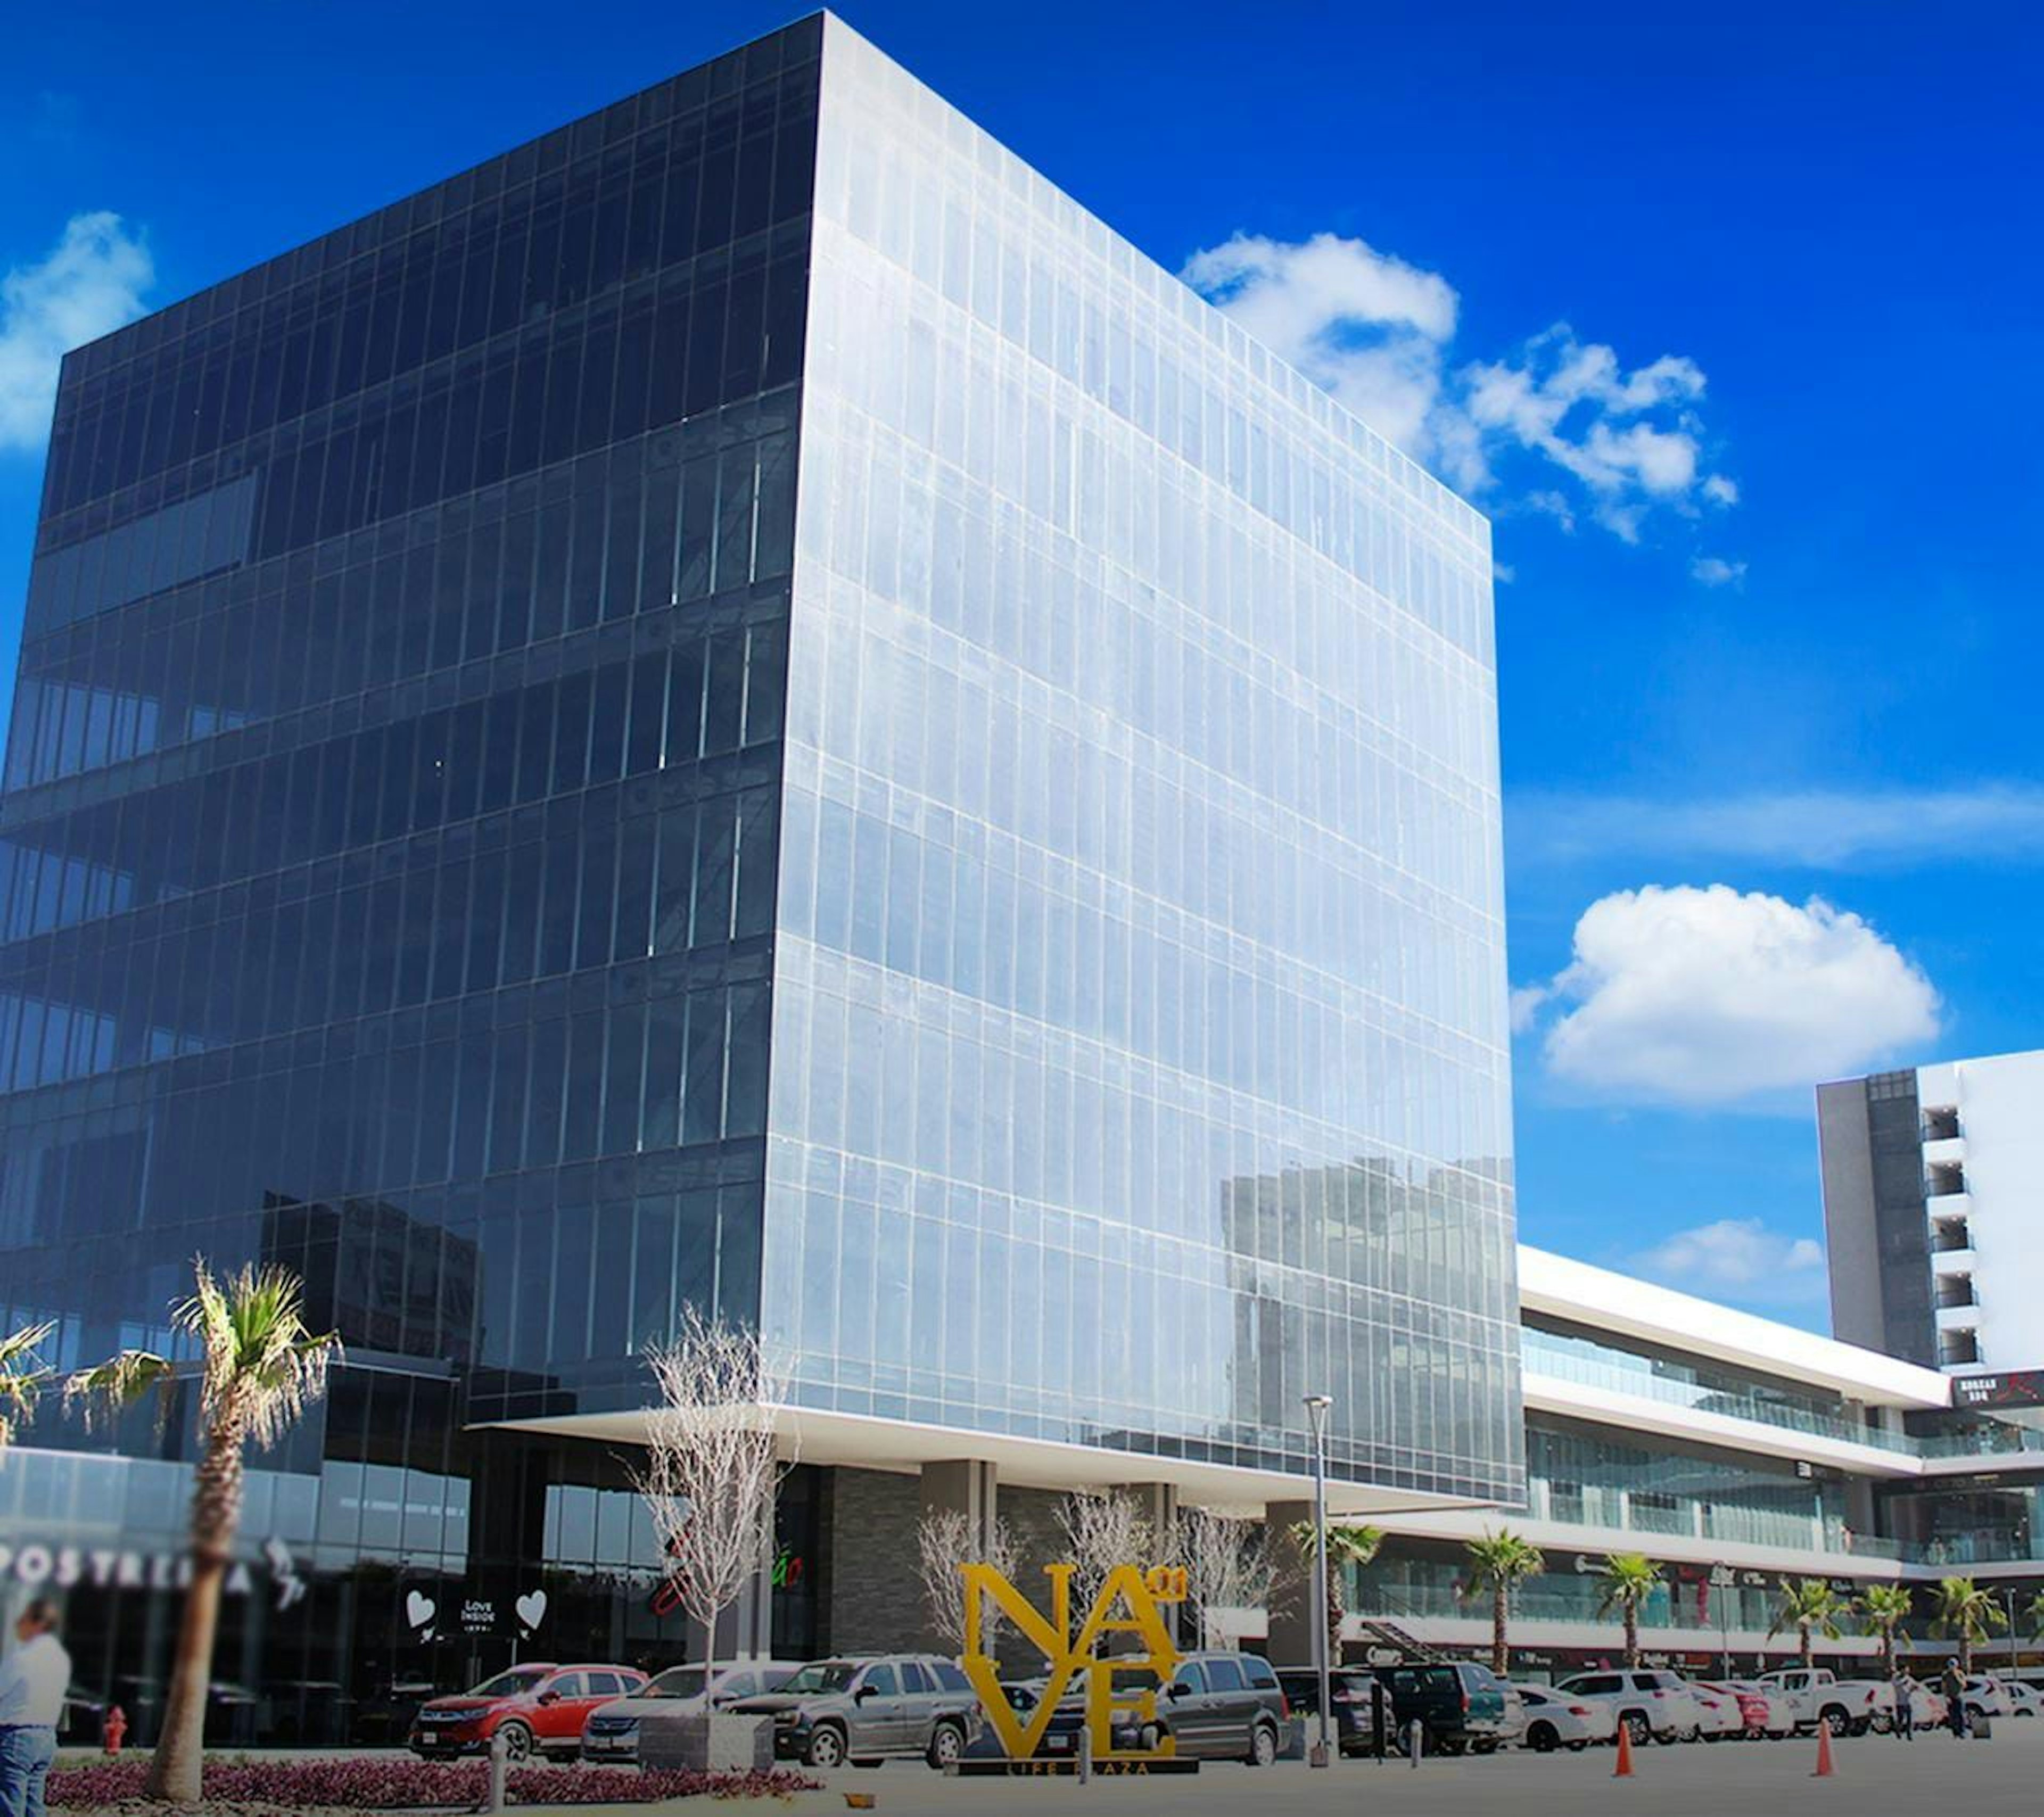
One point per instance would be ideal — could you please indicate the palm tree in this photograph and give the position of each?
(257, 1368)
(2033, 1615)
(1502, 1560)
(22, 1379)
(1882, 1610)
(1810, 1607)
(1346, 1545)
(1628, 1579)
(1964, 1609)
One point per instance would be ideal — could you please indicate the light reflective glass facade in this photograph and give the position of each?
(1139, 1033)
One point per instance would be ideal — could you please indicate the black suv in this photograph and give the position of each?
(1460, 1708)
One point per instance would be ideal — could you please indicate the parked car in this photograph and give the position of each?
(1555, 1720)
(612, 1731)
(865, 1711)
(1719, 1716)
(1351, 1716)
(1221, 1706)
(1987, 1696)
(1844, 1706)
(1652, 1704)
(1764, 1714)
(2023, 1700)
(538, 1709)
(1461, 1706)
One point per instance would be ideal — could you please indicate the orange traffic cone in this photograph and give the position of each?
(1824, 1768)
(1623, 1769)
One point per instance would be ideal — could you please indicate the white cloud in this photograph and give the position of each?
(1367, 326)
(92, 282)
(1737, 1259)
(1378, 333)
(1704, 996)
(1713, 571)
(1816, 828)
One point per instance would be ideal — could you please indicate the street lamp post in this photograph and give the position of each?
(1317, 1409)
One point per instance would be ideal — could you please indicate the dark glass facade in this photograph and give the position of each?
(386, 881)
(451, 754)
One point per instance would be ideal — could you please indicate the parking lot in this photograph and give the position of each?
(1873, 1773)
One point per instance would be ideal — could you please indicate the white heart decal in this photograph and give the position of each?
(532, 1607)
(419, 1610)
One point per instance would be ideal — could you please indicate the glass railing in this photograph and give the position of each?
(1570, 1359)
(1973, 1546)
(1984, 1441)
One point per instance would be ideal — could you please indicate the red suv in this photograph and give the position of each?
(540, 1709)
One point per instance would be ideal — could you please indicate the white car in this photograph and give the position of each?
(2023, 1700)
(1987, 1697)
(1653, 1705)
(1718, 1714)
(611, 1730)
(1556, 1720)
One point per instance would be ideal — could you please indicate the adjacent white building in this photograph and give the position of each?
(1934, 1207)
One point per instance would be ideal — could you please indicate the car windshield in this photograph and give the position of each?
(824, 1675)
(515, 1682)
(676, 1682)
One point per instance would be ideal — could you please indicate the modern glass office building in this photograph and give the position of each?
(740, 706)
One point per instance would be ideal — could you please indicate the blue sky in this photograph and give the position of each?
(1728, 316)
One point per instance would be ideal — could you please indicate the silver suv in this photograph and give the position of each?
(865, 1711)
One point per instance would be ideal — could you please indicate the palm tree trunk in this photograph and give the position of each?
(1499, 1659)
(175, 1769)
(1334, 1612)
(1631, 1634)
(1809, 1651)
(1966, 1655)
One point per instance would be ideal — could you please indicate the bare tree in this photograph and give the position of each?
(1100, 1531)
(1228, 1565)
(713, 1465)
(947, 1538)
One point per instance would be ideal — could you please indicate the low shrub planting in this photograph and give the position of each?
(392, 1784)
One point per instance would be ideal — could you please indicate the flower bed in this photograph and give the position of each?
(387, 1784)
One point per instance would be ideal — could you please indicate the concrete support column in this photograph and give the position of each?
(962, 1485)
(967, 1485)
(1291, 1641)
(1159, 1502)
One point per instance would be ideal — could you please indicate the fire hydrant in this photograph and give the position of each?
(112, 1730)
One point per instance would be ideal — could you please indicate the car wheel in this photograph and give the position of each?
(1262, 1744)
(1150, 1738)
(1542, 1737)
(1636, 1727)
(1884, 1725)
(1838, 1721)
(947, 1745)
(518, 1741)
(826, 1749)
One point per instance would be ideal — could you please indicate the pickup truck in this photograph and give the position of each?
(1845, 1706)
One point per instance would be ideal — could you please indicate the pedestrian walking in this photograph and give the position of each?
(34, 1678)
(1905, 1707)
(1954, 1689)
